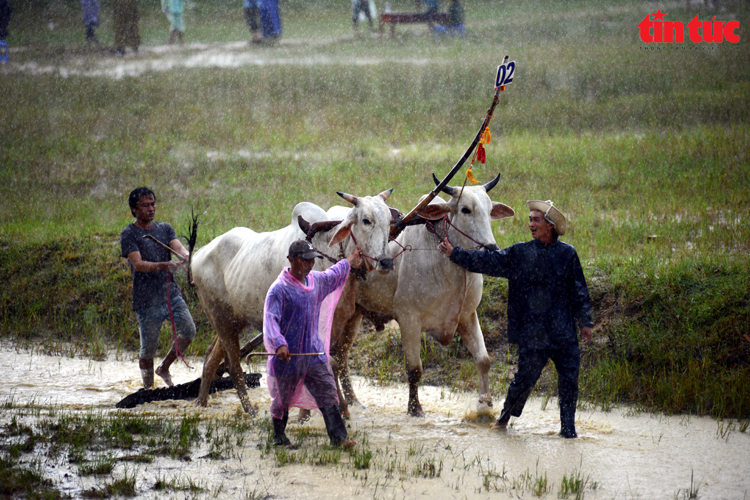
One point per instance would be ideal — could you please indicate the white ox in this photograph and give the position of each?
(233, 273)
(427, 292)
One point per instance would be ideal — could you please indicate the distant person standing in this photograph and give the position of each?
(154, 288)
(126, 17)
(456, 23)
(6, 12)
(262, 17)
(362, 6)
(252, 18)
(547, 298)
(429, 14)
(270, 20)
(174, 10)
(90, 18)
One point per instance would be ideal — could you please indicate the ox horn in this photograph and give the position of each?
(348, 197)
(385, 194)
(450, 191)
(487, 187)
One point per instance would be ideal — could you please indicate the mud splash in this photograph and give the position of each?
(624, 454)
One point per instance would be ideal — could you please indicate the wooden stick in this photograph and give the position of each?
(291, 354)
(165, 247)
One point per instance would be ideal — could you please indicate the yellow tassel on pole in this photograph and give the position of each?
(486, 137)
(470, 176)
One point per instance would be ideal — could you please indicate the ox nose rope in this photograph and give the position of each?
(404, 248)
(447, 222)
(360, 248)
(431, 228)
(362, 274)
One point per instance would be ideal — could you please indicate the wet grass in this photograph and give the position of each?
(178, 483)
(575, 484)
(97, 439)
(107, 447)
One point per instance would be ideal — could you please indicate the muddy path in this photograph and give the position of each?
(103, 62)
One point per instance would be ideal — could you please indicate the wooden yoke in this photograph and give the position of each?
(402, 222)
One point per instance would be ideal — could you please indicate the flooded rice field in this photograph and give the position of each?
(451, 453)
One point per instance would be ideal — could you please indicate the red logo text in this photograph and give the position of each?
(660, 31)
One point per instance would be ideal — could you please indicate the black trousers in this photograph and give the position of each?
(531, 362)
(322, 386)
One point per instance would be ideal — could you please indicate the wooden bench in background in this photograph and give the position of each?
(394, 18)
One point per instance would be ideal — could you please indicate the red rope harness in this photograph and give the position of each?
(171, 319)
(449, 223)
(431, 228)
(360, 248)
(409, 248)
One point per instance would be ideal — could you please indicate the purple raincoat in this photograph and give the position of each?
(300, 316)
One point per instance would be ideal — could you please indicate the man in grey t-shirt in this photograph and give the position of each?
(154, 288)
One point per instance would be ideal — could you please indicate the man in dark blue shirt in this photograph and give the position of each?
(154, 288)
(547, 299)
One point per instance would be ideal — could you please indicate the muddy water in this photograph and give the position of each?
(625, 455)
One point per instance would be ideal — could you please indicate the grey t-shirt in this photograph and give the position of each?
(149, 289)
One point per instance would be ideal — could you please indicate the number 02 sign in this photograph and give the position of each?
(505, 74)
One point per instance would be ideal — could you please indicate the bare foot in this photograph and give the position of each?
(499, 425)
(348, 444)
(164, 374)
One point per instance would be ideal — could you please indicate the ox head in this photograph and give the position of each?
(471, 210)
(369, 224)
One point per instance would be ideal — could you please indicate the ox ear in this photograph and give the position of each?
(435, 212)
(385, 194)
(343, 230)
(341, 234)
(501, 211)
(395, 215)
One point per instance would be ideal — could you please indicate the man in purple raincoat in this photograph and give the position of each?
(297, 319)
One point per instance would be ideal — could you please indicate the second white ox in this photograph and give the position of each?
(427, 292)
(233, 273)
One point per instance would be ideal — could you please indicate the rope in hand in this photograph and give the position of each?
(169, 299)
(431, 229)
(171, 318)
